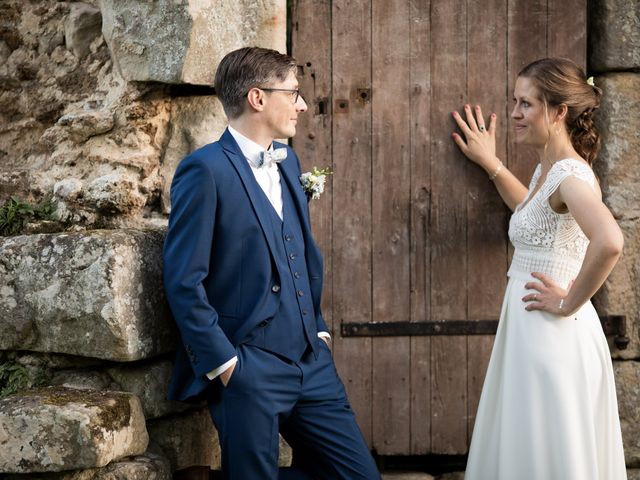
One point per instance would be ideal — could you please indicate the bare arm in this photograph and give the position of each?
(479, 146)
(605, 247)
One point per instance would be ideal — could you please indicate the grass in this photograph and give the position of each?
(13, 377)
(15, 213)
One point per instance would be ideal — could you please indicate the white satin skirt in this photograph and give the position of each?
(548, 409)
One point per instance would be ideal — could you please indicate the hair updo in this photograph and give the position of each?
(559, 81)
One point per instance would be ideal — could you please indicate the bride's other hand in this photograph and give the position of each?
(549, 296)
(479, 144)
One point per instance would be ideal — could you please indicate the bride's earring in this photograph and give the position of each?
(557, 128)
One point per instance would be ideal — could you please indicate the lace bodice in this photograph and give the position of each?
(546, 241)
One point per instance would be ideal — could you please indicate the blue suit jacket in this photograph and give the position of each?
(218, 261)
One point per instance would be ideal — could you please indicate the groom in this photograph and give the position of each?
(243, 276)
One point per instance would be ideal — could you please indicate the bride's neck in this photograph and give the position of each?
(556, 149)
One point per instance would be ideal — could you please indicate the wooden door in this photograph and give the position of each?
(414, 236)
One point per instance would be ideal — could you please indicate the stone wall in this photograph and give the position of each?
(99, 101)
(614, 59)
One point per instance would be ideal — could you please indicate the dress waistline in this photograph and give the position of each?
(561, 269)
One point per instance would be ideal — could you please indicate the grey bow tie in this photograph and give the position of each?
(269, 157)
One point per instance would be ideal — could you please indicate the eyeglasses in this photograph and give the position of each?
(295, 93)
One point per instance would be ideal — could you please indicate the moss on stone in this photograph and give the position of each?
(114, 407)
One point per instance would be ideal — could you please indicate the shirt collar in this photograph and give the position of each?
(250, 149)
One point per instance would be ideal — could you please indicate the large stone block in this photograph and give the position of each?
(620, 294)
(406, 476)
(55, 429)
(143, 467)
(451, 476)
(148, 380)
(195, 121)
(187, 439)
(95, 294)
(614, 34)
(619, 163)
(618, 167)
(191, 439)
(81, 27)
(627, 375)
(183, 42)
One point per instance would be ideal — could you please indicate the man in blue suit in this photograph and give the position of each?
(243, 276)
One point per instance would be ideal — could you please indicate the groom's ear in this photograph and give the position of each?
(255, 98)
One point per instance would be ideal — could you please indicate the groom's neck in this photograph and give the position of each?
(253, 129)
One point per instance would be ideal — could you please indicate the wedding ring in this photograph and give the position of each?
(535, 297)
(481, 128)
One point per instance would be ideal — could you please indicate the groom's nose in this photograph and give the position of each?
(301, 105)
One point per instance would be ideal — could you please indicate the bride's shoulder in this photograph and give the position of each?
(575, 167)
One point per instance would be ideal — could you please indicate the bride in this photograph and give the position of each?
(548, 409)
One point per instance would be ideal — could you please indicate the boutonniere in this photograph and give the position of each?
(313, 181)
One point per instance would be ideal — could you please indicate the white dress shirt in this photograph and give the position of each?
(268, 177)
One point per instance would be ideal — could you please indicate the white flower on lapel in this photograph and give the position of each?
(313, 181)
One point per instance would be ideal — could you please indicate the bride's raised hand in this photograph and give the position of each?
(479, 144)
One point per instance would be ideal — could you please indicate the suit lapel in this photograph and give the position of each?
(291, 177)
(251, 186)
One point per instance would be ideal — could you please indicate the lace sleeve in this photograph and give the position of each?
(570, 168)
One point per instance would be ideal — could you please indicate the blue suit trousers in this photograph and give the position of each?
(305, 401)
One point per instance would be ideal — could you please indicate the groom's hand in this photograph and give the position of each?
(226, 375)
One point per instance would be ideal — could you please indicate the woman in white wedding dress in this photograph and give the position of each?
(548, 409)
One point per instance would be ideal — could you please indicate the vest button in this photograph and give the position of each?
(288, 238)
(296, 274)
(292, 256)
(275, 288)
(304, 312)
(300, 293)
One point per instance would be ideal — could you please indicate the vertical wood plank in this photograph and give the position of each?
(391, 176)
(352, 222)
(420, 84)
(448, 228)
(487, 214)
(526, 42)
(313, 138)
(567, 30)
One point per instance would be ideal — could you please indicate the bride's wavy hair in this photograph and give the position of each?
(559, 81)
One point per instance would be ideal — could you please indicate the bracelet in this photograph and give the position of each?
(493, 176)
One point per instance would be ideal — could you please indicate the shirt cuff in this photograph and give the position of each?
(214, 373)
(324, 335)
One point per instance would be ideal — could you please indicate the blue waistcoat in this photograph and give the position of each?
(293, 329)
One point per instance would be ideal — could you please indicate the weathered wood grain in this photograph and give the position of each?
(487, 215)
(352, 191)
(420, 258)
(448, 227)
(391, 186)
(314, 135)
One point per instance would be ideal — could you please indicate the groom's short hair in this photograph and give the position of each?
(246, 68)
